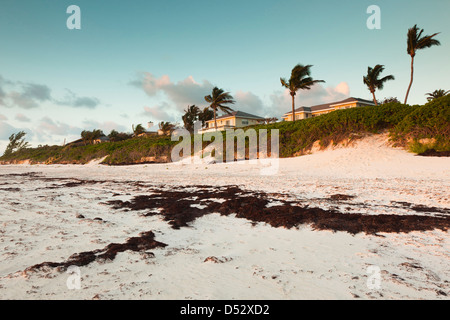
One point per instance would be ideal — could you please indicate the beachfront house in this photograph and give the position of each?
(233, 120)
(309, 112)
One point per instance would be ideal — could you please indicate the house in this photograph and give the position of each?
(309, 112)
(233, 120)
(101, 139)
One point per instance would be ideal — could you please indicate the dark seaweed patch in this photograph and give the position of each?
(175, 206)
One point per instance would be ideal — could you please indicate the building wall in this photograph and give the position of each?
(240, 122)
(298, 116)
(346, 106)
(233, 121)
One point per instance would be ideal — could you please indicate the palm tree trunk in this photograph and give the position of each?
(374, 99)
(293, 107)
(215, 121)
(412, 77)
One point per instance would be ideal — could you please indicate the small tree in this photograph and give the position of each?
(190, 116)
(300, 80)
(437, 94)
(16, 143)
(138, 129)
(115, 136)
(373, 82)
(389, 100)
(166, 127)
(218, 100)
(268, 120)
(88, 137)
(205, 115)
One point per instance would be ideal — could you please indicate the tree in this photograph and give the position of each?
(437, 94)
(166, 127)
(268, 120)
(88, 137)
(190, 116)
(389, 100)
(16, 143)
(115, 136)
(300, 80)
(139, 129)
(218, 100)
(373, 82)
(205, 115)
(415, 41)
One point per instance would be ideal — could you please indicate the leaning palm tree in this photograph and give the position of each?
(417, 42)
(300, 80)
(190, 116)
(166, 127)
(372, 81)
(218, 100)
(437, 94)
(138, 129)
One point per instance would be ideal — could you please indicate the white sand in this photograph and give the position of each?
(258, 262)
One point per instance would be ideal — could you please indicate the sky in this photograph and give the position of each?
(143, 60)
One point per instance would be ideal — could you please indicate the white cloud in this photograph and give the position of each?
(6, 130)
(73, 100)
(251, 103)
(27, 96)
(161, 112)
(105, 126)
(182, 93)
(22, 118)
(281, 102)
(188, 92)
(30, 95)
(54, 131)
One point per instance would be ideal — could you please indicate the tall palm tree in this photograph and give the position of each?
(218, 100)
(372, 81)
(300, 80)
(415, 42)
(437, 94)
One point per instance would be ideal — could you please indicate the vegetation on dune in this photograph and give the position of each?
(417, 128)
(407, 126)
(135, 150)
(426, 127)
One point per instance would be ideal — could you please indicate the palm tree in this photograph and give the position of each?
(139, 129)
(218, 100)
(190, 116)
(437, 94)
(300, 80)
(205, 115)
(372, 81)
(417, 42)
(166, 127)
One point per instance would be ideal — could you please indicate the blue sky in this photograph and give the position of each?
(139, 61)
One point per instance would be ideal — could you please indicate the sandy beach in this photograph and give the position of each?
(195, 231)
